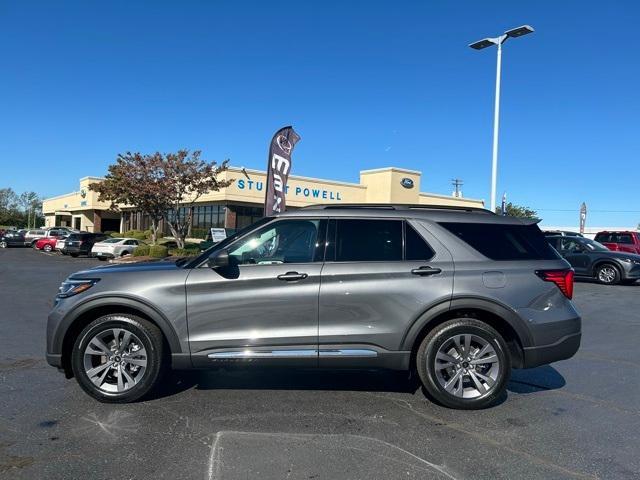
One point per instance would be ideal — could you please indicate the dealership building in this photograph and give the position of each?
(241, 203)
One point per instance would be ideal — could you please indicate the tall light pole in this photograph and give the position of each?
(479, 45)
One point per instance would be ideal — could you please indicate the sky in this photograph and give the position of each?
(367, 84)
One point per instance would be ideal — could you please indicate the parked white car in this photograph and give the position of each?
(114, 247)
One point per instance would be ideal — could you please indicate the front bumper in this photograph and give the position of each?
(631, 271)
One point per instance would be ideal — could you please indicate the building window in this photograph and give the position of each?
(245, 216)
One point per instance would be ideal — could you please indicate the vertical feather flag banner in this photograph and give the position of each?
(278, 169)
(504, 203)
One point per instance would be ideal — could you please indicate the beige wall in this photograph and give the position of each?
(83, 199)
(383, 185)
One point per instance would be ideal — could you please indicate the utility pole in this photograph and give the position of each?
(583, 216)
(457, 184)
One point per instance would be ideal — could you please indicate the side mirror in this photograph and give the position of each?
(219, 259)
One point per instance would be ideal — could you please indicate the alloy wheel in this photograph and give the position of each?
(607, 274)
(3, 244)
(467, 366)
(115, 360)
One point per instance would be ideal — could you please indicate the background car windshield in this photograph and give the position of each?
(593, 245)
(112, 240)
(288, 241)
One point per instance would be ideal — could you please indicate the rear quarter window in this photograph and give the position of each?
(503, 241)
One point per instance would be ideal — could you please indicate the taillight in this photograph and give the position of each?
(562, 278)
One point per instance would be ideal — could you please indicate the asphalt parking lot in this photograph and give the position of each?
(578, 418)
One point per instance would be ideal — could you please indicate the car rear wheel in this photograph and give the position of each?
(74, 255)
(3, 244)
(118, 358)
(608, 274)
(464, 363)
(47, 248)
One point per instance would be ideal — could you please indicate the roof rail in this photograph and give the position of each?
(396, 206)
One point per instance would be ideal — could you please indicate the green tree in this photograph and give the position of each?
(518, 211)
(160, 184)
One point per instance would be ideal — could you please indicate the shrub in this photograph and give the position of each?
(141, 251)
(137, 234)
(184, 252)
(115, 234)
(199, 232)
(158, 251)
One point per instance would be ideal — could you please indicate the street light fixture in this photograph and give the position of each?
(480, 45)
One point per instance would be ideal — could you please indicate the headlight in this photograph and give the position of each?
(71, 287)
(631, 260)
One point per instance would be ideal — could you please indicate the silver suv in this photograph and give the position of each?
(459, 295)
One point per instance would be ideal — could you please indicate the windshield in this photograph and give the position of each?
(592, 245)
(112, 240)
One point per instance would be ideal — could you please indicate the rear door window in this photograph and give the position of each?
(625, 238)
(416, 247)
(364, 240)
(504, 241)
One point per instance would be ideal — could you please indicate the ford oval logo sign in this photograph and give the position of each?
(406, 182)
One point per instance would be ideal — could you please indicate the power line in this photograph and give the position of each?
(577, 210)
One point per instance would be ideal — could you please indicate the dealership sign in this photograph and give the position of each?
(295, 190)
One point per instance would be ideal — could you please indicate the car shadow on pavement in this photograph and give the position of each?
(535, 380)
(289, 379)
(522, 381)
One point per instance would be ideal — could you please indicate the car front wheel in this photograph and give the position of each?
(464, 364)
(47, 248)
(3, 244)
(608, 274)
(118, 358)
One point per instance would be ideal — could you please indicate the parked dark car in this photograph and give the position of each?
(81, 243)
(620, 241)
(592, 259)
(11, 239)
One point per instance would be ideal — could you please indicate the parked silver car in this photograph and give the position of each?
(460, 295)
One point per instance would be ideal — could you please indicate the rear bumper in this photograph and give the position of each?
(565, 347)
(102, 254)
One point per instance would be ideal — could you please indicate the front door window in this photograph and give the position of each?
(285, 241)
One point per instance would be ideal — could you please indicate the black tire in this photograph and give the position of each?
(426, 362)
(74, 255)
(102, 259)
(47, 248)
(608, 274)
(124, 254)
(152, 340)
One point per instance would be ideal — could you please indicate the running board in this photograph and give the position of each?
(251, 354)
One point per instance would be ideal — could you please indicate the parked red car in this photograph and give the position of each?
(620, 241)
(47, 244)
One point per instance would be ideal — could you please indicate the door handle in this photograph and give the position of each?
(292, 276)
(426, 271)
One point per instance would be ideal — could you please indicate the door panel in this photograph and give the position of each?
(254, 309)
(266, 301)
(375, 302)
